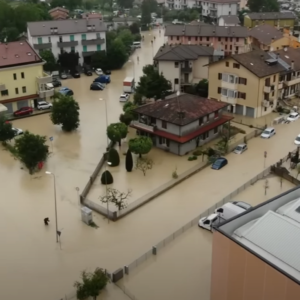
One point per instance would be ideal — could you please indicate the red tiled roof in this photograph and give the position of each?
(34, 96)
(190, 136)
(17, 53)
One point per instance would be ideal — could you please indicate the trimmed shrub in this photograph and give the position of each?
(106, 178)
(129, 161)
(113, 157)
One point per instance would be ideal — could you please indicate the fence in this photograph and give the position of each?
(244, 139)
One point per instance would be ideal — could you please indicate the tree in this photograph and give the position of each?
(134, 28)
(202, 88)
(129, 113)
(106, 178)
(92, 284)
(140, 145)
(127, 38)
(263, 5)
(117, 54)
(116, 197)
(113, 157)
(68, 60)
(152, 84)
(99, 60)
(144, 164)
(146, 13)
(125, 3)
(31, 149)
(116, 132)
(6, 131)
(129, 161)
(49, 58)
(70, 4)
(65, 112)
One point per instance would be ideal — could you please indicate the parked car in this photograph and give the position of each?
(207, 222)
(98, 71)
(239, 149)
(297, 140)
(124, 97)
(63, 76)
(97, 86)
(56, 82)
(103, 79)
(26, 110)
(44, 105)
(75, 74)
(17, 131)
(66, 91)
(107, 72)
(219, 163)
(88, 72)
(293, 116)
(268, 132)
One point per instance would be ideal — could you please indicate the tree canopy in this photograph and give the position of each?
(49, 58)
(65, 112)
(68, 60)
(152, 84)
(125, 3)
(70, 4)
(263, 5)
(6, 131)
(116, 132)
(140, 145)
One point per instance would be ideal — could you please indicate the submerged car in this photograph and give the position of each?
(239, 149)
(66, 91)
(17, 131)
(75, 74)
(26, 110)
(268, 132)
(63, 76)
(44, 105)
(98, 71)
(56, 82)
(297, 140)
(293, 117)
(124, 98)
(206, 222)
(97, 86)
(219, 163)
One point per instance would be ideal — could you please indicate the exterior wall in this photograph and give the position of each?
(181, 4)
(199, 71)
(170, 72)
(239, 275)
(54, 39)
(254, 88)
(221, 22)
(215, 10)
(282, 23)
(171, 128)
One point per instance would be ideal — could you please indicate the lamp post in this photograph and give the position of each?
(55, 203)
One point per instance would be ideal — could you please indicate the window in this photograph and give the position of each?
(23, 75)
(98, 35)
(236, 48)
(83, 36)
(40, 40)
(216, 114)
(164, 124)
(207, 38)
(230, 47)
(189, 38)
(15, 76)
(216, 130)
(176, 64)
(176, 81)
(230, 78)
(236, 66)
(200, 121)
(196, 38)
(227, 64)
(84, 48)
(225, 47)
(220, 76)
(200, 38)
(229, 93)
(98, 47)
(219, 39)
(71, 37)
(226, 39)
(72, 49)
(242, 95)
(178, 38)
(219, 90)
(231, 39)
(274, 78)
(267, 82)
(17, 91)
(237, 39)
(243, 81)
(60, 39)
(24, 89)
(4, 93)
(49, 39)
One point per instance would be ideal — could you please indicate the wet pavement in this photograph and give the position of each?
(33, 264)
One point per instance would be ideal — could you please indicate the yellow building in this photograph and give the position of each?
(276, 19)
(22, 80)
(253, 82)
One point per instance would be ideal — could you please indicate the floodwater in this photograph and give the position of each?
(32, 264)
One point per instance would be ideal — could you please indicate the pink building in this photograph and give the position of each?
(232, 40)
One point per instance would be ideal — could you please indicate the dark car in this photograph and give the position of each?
(66, 91)
(75, 74)
(107, 72)
(56, 82)
(219, 163)
(88, 72)
(96, 86)
(63, 76)
(26, 110)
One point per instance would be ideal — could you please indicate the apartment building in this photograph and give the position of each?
(229, 21)
(253, 82)
(59, 13)
(181, 123)
(84, 36)
(269, 38)
(231, 40)
(275, 19)
(255, 255)
(22, 80)
(184, 65)
(182, 4)
(217, 8)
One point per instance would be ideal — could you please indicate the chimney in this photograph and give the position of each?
(292, 65)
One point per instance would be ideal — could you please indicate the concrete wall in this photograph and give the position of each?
(171, 128)
(200, 71)
(239, 275)
(170, 72)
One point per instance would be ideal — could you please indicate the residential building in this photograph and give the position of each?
(253, 82)
(217, 8)
(276, 19)
(120, 22)
(255, 255)
(180, 124)
(59, 13)
(184, 65)
(22, 80)
(182, 4)
(268, 38)
(92, 16)
(229, 20)
(84, 36)
(231, 40)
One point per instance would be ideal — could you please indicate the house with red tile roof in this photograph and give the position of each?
(59, 13)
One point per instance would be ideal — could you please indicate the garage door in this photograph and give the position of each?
(9, 107)
(250, 112)
(21, 104)
(239, 109)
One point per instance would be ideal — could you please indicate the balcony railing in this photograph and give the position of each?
(44, 80)
(280, 85)
(186, 69)
(265, 103)
(140, 125)
(269, 89)
(42, 46)
(228, 99)
(46, 93)
(67, 44)
(93, 42)
(2, 87)
(229, 85)
(213, 8)
(294, 80)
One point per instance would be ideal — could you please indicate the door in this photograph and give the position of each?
(250, 112)
(84, 48)
(239, 109)
(9, 107)
(98, 47)
(72, 38)
(21, 104)
(40, 40)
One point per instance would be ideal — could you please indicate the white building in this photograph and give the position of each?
(230, 20)
(217, 8)
(181, 4)
(84, 36)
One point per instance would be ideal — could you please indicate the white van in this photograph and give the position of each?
(136, 45)
(207, 222)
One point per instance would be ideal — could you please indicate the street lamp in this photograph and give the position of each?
(55, 204)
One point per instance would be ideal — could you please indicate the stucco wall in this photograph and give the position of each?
(170, 72)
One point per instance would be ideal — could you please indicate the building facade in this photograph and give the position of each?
(59, 13)
(22, 80)
(180, 124)
(255, 255)
(229, 21)
(217, 8)
(182, 4)
(231, 40)
(79, 35)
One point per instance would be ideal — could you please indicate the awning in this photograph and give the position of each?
(49, 85)
(3, 108)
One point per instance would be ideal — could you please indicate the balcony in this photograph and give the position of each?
(269, 89)
(139, 125)
(265, 103)
(229, 85)
(186, 69)
(92, 42)
(229, 100)
(294, 80)
(42, 46)
(2, 87)
(213, 8)
(46, 93)
(280, 85)
(44, 80)
(67, 44)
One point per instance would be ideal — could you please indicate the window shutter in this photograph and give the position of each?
(245, 81)
(240, 80)
(244, 96)
(220, 76)
(219, 90)
(239, 95)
